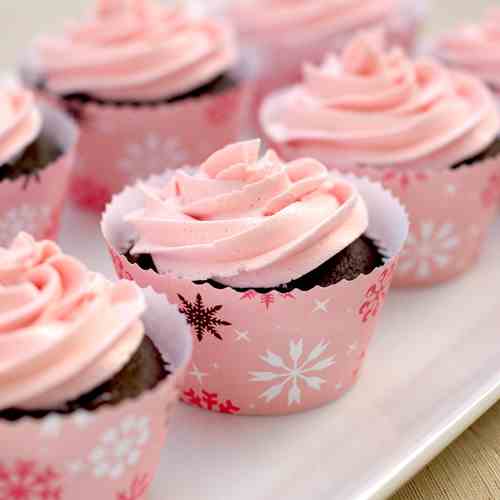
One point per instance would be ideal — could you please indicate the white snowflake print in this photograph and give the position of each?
(52, 425)
(301, 372)
(24, 217)
(120, 448)
(429, 246)
(152, 156)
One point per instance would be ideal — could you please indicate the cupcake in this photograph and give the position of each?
(143, 79)
(307, 31)
(426, 132)
(475, 48)
(83, 379)
(36, 159)
(257, 252)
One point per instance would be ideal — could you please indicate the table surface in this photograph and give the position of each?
(470, 468)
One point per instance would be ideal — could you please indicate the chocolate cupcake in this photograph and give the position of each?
(36, 146)
(428, 133)
(95, 351)
(141, 62)
(267, 260)
(79, 379)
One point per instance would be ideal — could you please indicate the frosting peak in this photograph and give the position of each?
(63, 330)
(136, 50)
(248, 222)
(20, 120)
(376, 107)
(475, 48)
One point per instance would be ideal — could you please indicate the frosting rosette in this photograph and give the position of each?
(302, 19)
(20, 120)
(376, 107)
(135, 50)
(63, 330)
(475, 48)
(247, 221)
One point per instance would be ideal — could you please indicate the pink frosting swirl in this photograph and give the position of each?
(247, 222)
(136, 50)
(20, 121)
(301, 19)
(378, 108)
(63, 330)
(475, 48)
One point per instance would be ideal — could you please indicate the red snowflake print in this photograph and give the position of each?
(210, 401)
(137, 490)
(491, 195)
(203, 319)
(222, 109)
(26, 480)
(266, 299)
(375, 295)
(89, 194)
(120, 266)
(404, 179)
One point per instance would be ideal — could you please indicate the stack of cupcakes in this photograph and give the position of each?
(86, 386)
(36, 158)
(428, 133)
(278, 267)
(275, 266)
(152, 87)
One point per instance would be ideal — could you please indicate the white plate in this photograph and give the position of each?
(434, 367)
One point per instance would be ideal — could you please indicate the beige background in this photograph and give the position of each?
(470, 468)
(21, 19)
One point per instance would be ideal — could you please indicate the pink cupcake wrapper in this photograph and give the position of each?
(121, 144)
(112, 453)
(450, 213)
(272, 354)
(35, 204)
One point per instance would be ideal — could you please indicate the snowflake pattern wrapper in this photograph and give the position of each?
(203, 320)
(27, 480)
(120, 145)
(450, 212)
(280, 353)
